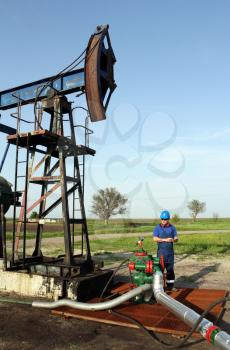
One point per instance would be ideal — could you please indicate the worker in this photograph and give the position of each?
(165, 235)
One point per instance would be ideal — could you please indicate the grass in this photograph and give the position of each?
(146, 225)
(128, 226)
(32, 235)
(208, 244)
(139, 226)
(200, 244)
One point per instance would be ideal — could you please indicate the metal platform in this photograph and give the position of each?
(154, 316)
(47, 138)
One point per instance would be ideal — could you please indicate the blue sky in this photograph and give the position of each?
(167, 136)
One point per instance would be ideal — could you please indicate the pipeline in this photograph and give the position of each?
(211, 333)
(105, 305)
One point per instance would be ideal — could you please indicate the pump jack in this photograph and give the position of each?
(96, 81)
(48, 97)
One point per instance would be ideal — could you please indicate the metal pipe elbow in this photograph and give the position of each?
(157, 284)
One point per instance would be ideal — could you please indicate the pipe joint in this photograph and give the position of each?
(157, 284)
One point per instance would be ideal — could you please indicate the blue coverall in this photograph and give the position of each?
(166, 249)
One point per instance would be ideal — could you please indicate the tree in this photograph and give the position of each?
(196, 207)
(108, 202)
(34, 215)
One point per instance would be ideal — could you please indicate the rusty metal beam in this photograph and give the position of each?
(57, 202)
(47, 194)
(39, 164)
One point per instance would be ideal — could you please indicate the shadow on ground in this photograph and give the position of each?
(194, 279)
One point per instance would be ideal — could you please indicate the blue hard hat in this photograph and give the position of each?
(165, 215)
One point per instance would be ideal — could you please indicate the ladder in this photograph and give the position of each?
(81, 163)
(19, 175)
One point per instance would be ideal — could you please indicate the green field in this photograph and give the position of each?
(128, 226)
(146, 225)
(205, 244)
(202, 244)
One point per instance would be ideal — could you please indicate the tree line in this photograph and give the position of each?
(110, 202)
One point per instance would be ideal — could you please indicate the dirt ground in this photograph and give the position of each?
(25, 328)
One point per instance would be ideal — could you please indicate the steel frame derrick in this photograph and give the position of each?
(57, 147)
(96, 81)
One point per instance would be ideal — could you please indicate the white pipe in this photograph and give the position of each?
(221, 339)
(105, 305)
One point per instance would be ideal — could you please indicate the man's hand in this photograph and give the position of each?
(169, 240)
(159, 240)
